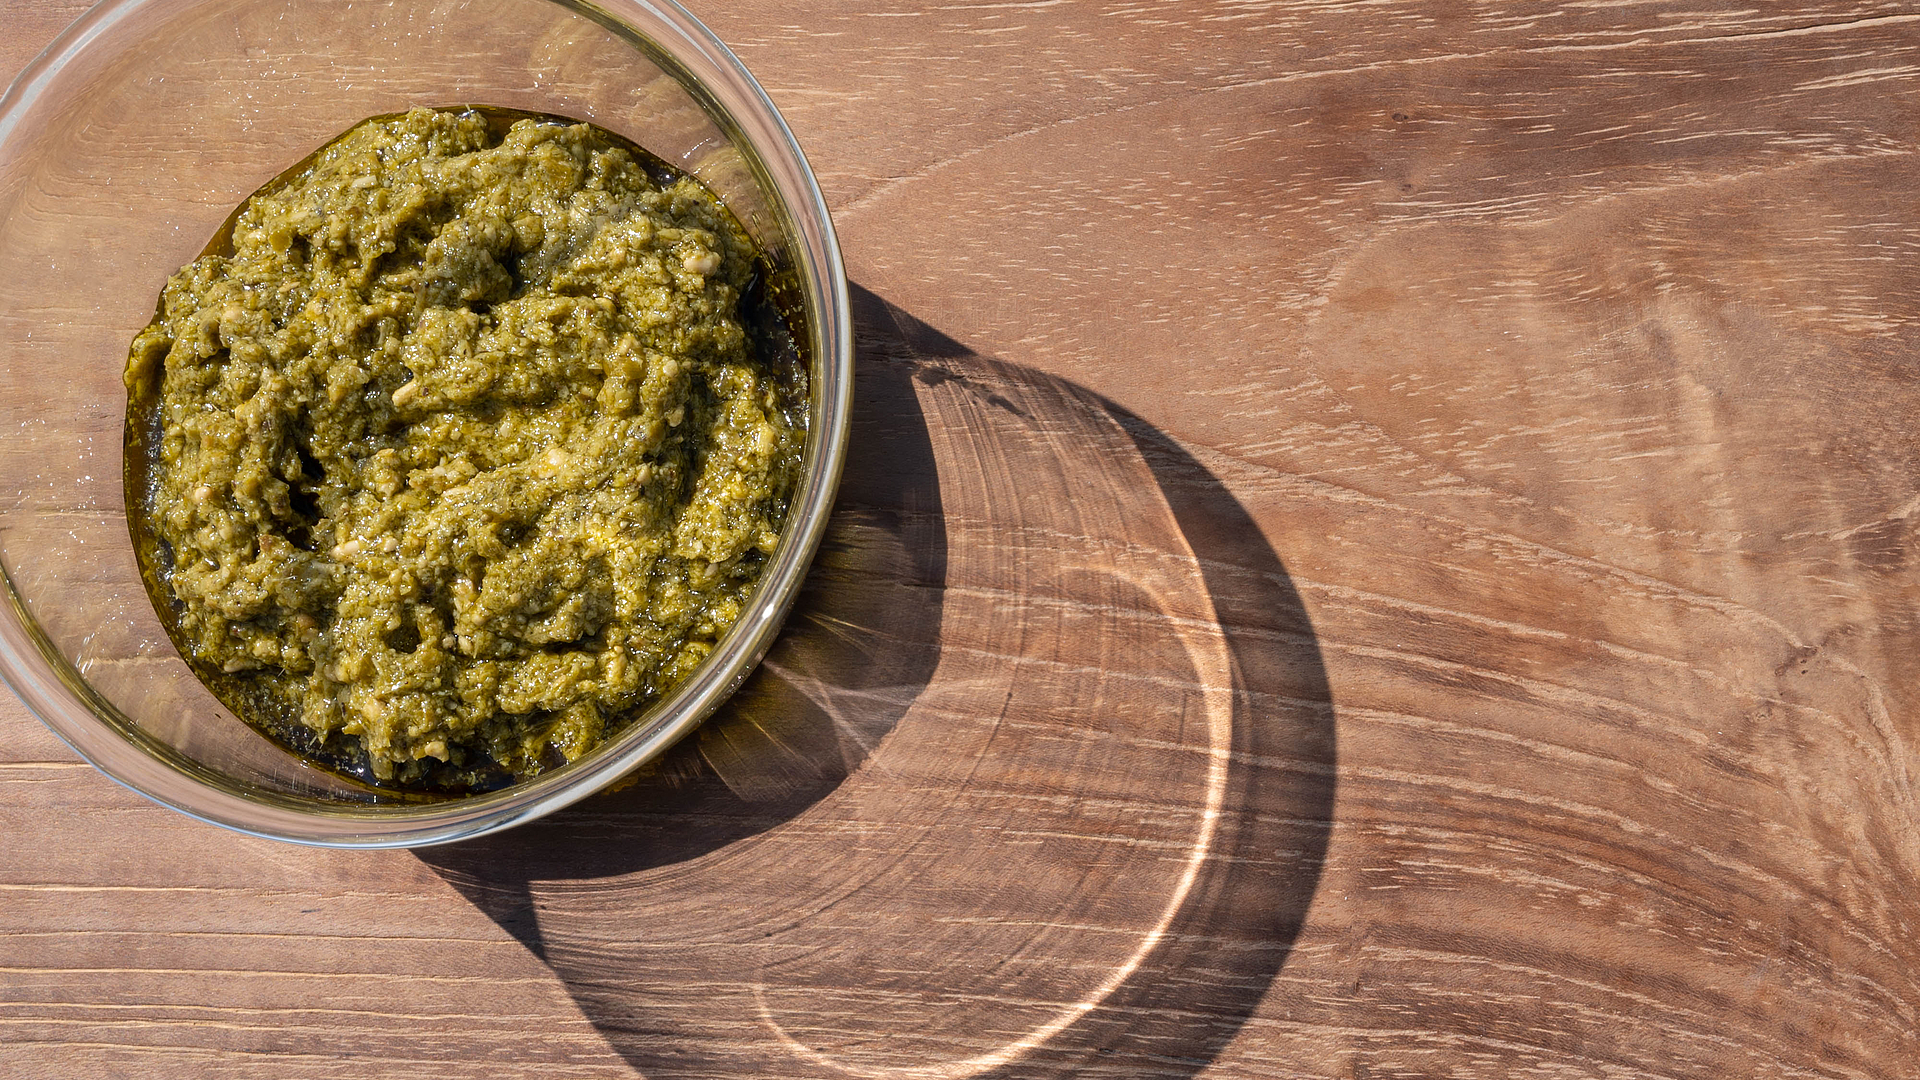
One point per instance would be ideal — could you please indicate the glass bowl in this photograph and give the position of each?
(124, 147)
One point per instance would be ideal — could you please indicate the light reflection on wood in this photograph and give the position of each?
(991, 801)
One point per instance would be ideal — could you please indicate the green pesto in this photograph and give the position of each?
(462, 454)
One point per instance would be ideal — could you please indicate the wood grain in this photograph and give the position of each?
(1382, 548)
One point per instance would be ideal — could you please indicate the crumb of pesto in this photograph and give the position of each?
(463, 452)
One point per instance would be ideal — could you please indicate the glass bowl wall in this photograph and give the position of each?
(125, 146)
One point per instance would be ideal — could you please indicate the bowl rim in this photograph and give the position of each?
(735, 101)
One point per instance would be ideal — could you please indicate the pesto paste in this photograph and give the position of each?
(459, 453)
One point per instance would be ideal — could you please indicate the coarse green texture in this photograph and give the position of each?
(463, 453)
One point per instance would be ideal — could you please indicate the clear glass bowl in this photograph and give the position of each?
(124, 147)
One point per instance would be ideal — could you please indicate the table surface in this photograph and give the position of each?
(1380, 544)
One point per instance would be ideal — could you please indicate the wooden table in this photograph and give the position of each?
(1381, 544)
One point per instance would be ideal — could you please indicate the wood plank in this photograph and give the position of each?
(1379, 545)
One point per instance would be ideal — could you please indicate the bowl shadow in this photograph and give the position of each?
(983, 720)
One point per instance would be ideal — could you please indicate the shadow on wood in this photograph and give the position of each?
(1037, 783)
